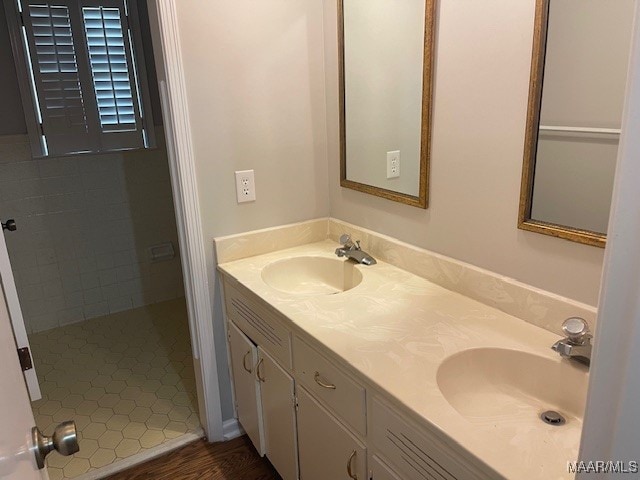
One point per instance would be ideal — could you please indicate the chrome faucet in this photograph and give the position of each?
(577, 344)
(353, 251)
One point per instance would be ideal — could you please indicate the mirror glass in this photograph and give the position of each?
(385, 82)
(579, 70)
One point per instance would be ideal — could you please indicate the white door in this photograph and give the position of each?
(16, 319)
(281, 443)
(17, 461)
(611, 428)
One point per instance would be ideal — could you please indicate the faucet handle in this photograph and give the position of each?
(345, 239)
(576, 329)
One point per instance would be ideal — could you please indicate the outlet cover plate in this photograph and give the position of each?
(393, 164)
(245, 186)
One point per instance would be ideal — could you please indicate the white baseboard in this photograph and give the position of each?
(231, 429)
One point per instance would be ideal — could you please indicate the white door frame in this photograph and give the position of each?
(185, 194)
(16, 318)
(612, 418)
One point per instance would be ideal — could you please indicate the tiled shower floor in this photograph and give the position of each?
(126, 379)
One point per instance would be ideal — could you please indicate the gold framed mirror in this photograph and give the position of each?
(385, 78)
(576, 95)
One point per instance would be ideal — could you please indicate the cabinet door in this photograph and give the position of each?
(326, 449)
(279, 416)
(244, 357)
(379, 471)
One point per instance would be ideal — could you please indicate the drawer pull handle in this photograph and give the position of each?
(260, 377)
(244, 361)
(330, 386)
(349, 466)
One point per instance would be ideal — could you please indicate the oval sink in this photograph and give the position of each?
(311, 275)
(499, 384)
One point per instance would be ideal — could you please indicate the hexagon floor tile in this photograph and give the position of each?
(126, 379)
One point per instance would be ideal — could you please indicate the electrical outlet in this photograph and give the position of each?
(393, 164)
(245, 186)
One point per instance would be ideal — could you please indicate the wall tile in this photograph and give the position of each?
(90, 280)
(52, 288)
(108, 277)
(92, 296)
(86, 223)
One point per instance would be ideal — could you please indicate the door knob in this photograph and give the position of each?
(10, 225)
(64, 440)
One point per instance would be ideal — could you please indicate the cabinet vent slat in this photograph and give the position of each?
(417, 459)
(254, 319)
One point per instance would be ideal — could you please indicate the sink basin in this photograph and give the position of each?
(505, 386)
(311, 275)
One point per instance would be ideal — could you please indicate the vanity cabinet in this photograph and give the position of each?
(316, 420)
(326, 448)
(265, 402)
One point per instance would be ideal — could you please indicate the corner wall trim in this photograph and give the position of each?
(185, 192)
(232, 429)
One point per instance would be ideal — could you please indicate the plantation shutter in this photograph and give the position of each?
(113, 74)
(56, 75)
(84, 76)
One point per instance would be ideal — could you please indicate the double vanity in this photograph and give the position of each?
(343, 370)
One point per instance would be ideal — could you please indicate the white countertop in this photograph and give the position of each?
(395, 328)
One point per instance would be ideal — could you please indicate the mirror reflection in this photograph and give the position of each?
(385, 80)
(579, 69)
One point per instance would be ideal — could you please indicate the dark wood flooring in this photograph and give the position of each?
(232, 460)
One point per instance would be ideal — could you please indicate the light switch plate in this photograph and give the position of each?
(245, 186)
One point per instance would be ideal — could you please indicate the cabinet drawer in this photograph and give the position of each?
(329, 384)
(414, 455)
(260, 324)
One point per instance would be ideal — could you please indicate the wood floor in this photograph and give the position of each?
(233, 460)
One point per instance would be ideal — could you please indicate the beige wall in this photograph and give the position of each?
(255, 85)
(483, 52)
